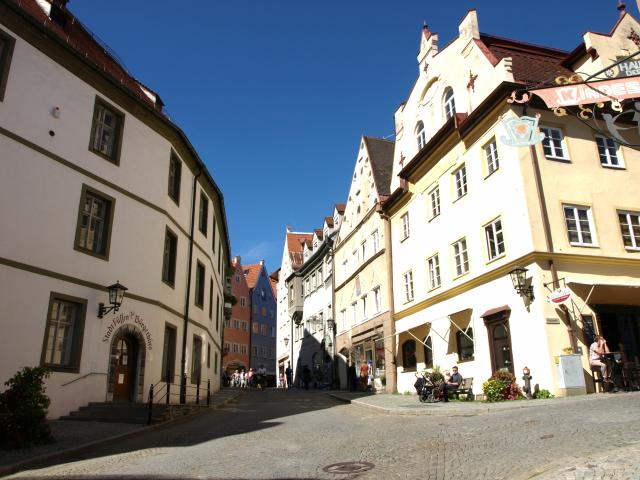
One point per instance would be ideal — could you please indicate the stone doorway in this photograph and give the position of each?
(126, 366)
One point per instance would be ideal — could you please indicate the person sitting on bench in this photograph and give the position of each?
(453, 383)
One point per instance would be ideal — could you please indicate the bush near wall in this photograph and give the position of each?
(501, 386)
(23, 410)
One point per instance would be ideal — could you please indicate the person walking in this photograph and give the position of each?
(289, 373)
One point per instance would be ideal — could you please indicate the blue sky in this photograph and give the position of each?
(275, 94)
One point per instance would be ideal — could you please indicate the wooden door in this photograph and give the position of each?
(124, 371)
(501, 347)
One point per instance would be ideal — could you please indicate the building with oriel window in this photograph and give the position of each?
(516, 225)
(99, 188)
(362, 270)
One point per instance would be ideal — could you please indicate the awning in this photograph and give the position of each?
(605, 294)
(458, 321)
(493, 311)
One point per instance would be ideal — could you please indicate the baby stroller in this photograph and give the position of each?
(427, 389)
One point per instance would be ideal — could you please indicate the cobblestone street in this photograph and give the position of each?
(281, 434)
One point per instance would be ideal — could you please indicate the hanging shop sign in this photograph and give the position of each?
(521, 131)
(589, 92)
(560, 296)
(132, 318)
(623, 68)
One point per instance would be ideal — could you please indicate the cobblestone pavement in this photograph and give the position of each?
(292, 434)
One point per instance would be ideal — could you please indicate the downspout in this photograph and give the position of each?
(392, 376)
(183, 362)
(549, 243)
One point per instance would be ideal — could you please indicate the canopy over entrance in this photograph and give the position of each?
(606, 294)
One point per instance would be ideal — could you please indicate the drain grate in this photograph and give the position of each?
(348, 467)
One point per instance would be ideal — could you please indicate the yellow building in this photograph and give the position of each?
(467, 209)
(362, 306)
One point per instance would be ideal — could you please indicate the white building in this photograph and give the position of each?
(99, 186)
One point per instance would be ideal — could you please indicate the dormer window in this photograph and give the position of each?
(420, 135)
(449, 104)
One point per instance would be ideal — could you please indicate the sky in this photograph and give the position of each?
(275, 94)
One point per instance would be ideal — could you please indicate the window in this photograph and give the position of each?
(377, 300)
(313, 281)
(376, 240)
(363, 250)
(608, 152)
(245, 326)
(553, 143)
(364, 307)
(62, 346)
(433, 265)
(307, 286)
(215, 361)
(236, 348)
(428, 352)
(354, 312)
(199, 293)
(420, 135)
(460, 257)
(243, 349)
(578, 220)
(204, 214)
(263, 311)
(263, 295)
(630, 227)
(213, 237)
(106, 131)
(328, 267)
(243, 301)
(255, 328)
(196, 360)
(263, 329)
(95, 218)
(495, 240)
(6, 52)
(272, 333)
(343, 320)
(265, 352)
(465, 345)
(175, 175)
(409, 355)
(345, 267)
(217, 312)
(169, 258)
(236, 323)
(209, 355)
(408, 286)
(254, 351)
(211, 298)
(449, 104)
(405, 226)
(434, 199)
(491, 155)
(460, 176)
(319, 276)
(227, 323)
(169, 354)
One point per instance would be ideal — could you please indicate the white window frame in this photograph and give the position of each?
(363, 250)
(460, 181)
(377, 299)
(491, 156)
(407, 278)
(449, 103)
(405, 226)
(554, 144)
(376, 241)
(575, 210)
(494, 235)
(433, 268)
(633, 231)
(421, 137)
(434, 202)
(461, 257)
(609, 151)
(364, 307)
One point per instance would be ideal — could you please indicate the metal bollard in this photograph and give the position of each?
(150, 407)
(526, 376)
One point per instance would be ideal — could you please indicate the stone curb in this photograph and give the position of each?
(461, 412)
(63, 454)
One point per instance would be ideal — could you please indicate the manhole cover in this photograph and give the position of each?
(348, 467)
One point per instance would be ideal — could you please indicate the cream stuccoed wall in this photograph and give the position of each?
(40, 197)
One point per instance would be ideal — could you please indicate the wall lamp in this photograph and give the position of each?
(519, 280)
(116, 294)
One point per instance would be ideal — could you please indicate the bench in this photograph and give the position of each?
(466, 388)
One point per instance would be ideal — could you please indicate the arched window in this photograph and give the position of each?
(409, 354)
(465, 344)
(428, 353)
(420, 136)
(449, 104)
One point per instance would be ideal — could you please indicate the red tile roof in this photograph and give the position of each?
(295, 244)
(531, 64)
(83, 41)
(340, 207)
(329, 221)
(252, 274)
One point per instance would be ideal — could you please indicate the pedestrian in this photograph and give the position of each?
(364, 376)
(250, 378)
(262, 377)
(243, 379)
(236, 379)
(289, 373)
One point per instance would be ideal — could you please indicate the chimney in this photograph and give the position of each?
(262, 262)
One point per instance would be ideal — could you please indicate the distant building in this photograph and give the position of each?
(263, 318)
(237, 329)
(98, 185)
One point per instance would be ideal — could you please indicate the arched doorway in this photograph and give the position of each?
(126, 366)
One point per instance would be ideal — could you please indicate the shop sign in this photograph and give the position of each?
(628, 68)
(590, 92)
(521, 131)
(560, 296)
(131, 317)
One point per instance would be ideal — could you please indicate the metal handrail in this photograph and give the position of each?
(182, 391)
(83, 376)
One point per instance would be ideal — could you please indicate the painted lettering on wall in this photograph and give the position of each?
(131, 317)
